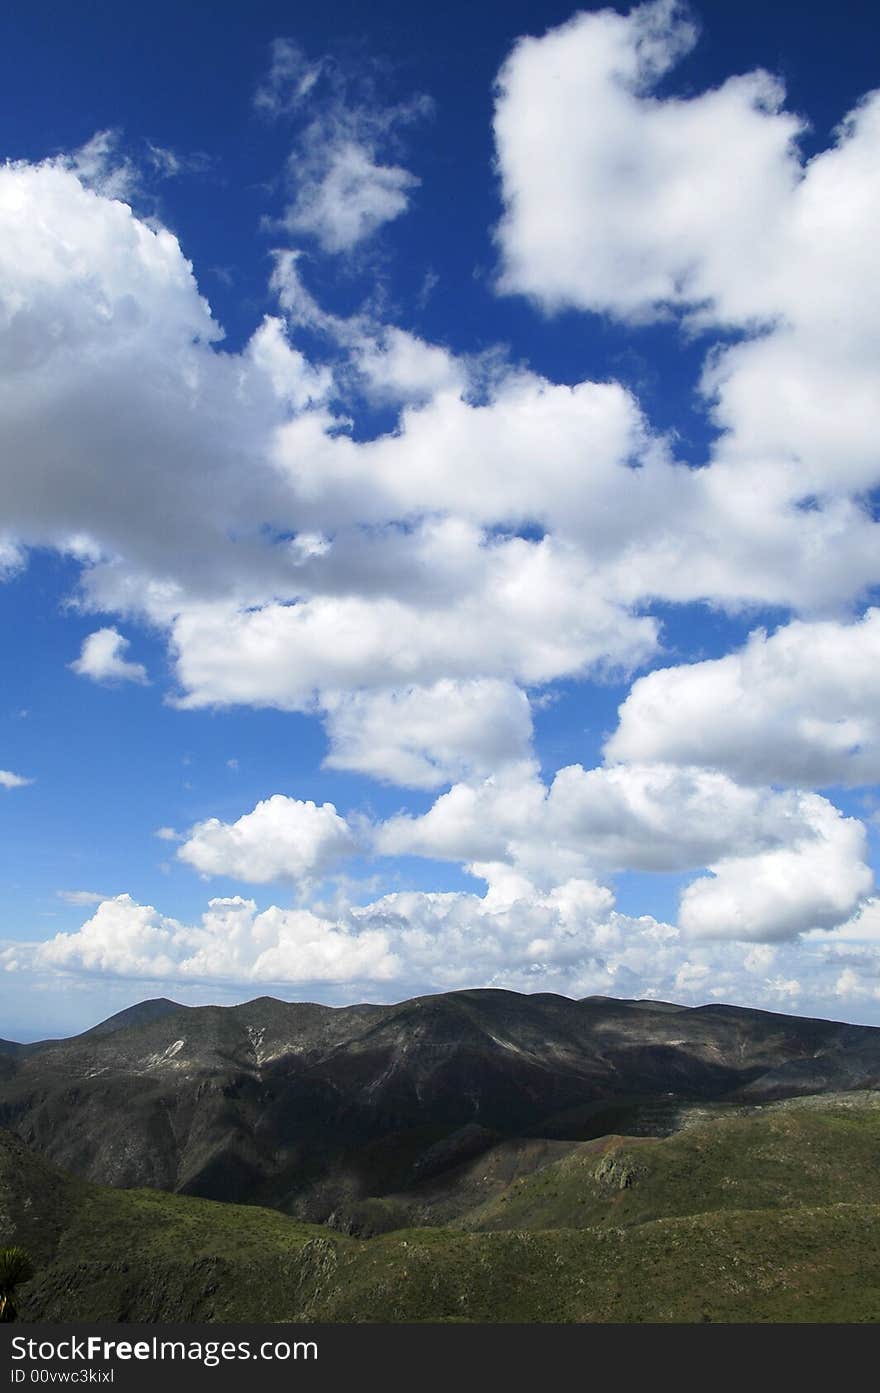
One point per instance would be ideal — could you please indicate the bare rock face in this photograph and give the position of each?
(618, 1172)
(313, 1109)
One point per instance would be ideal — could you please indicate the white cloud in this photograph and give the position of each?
(348, 198)
(782, 863)
(295, 382)
(122, 936)
(379, 582)
(799, 706)
(232, 942)
(622, 202)
(290, 79)
(164, 489)
(618, 201)
(503, 470)
(400, 367)
(80, 897)
(402, 570)
(420, 737)
(642, 817)
(461, 606)
(863, 927)
(816, 882)
(11, 558)
(99, 165)
(168, 834)
(10, 780)
(388, 364)
(102, 659)
(343, 189)
(281, 839)
(568, 939)
(530, 451)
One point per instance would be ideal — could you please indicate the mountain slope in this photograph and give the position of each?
(769, 1215)
(314, 1109)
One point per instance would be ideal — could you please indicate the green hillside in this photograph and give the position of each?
(785, 1265)
(769, 1215)
(783, 1156)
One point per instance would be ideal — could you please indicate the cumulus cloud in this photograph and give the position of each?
(420, 737)
(281, 839)
(102, 659)
(534, 942)
(223, 501)
(618, 201)
(644, 214)
(799, 706)
(159, 493)
(232, 942)
(400, 367)
(387, 364)
(816, 882)
(799, 863)
(476, 607)
(506, 531)
(568, 939)
(10, 780)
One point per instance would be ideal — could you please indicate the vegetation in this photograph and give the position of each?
(784, 1156)
(772, 1215)
(15, 1268)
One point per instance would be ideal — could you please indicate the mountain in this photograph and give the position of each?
(770, 1213)
(350, 1115)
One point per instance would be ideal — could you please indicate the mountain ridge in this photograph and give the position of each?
(315, 1109)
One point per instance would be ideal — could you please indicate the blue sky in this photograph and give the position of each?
(437, 504)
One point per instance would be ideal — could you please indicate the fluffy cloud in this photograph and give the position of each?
(223, 501)
(282, 839)
(476, 607)
(798, 863)
(569, 939)
(229, 500)
(399, 367)
(388, 364)
(102, 659)
(188, 492)
(10, 780)
(814, 883)
(420, 737)
(799, 706)
(402, 938)
(617, 201)
(504, 472)
(232, 941)
(645, 215)
(96, 307)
